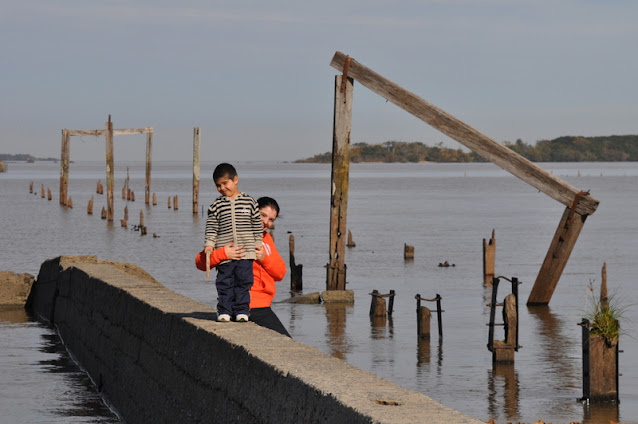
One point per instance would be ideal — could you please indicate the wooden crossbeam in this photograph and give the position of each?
(488, 148)
(102, 133)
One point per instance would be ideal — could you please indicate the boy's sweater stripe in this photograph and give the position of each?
(247, 228)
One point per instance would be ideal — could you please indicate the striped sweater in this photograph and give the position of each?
(235, 220)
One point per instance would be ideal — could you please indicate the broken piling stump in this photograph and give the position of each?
(408, 252)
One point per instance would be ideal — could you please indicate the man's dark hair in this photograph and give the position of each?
(224, 170)
(268, 201)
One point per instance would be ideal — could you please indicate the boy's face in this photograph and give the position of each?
(227, 186)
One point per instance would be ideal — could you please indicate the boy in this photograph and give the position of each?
(233, 217)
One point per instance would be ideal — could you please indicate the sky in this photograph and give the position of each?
(255, 75)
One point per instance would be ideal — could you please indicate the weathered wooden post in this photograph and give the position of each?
(391, 302)
(42, 193)
(296, 281)
(503, 351)
(600, 351)
(423, 316)
(196, 144)
(336, 268)
(350, 242)
(126, 213)
(49, 196)
(147, 187)
(64, 166)
(132, 196)
(103, 212)
(110, 170)
(123, 223)
(489, 259)
(408, 252)
(141, 218)
(89, 207)
(69, 203)
(31, 187)
(377, 305)
(154, 200)
(169, 202)
(175, 203)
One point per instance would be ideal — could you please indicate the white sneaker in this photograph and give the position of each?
(241, 318)
(223, 318)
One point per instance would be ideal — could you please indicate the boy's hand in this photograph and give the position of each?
(261, 254)
(234, 253)
(208, 249)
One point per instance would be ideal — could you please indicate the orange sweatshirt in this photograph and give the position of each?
(265, 272)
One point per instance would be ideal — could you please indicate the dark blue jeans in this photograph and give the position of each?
(234, 280)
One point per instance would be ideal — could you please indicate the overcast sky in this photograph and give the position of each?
(255, 74)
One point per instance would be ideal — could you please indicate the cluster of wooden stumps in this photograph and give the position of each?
(599, 356)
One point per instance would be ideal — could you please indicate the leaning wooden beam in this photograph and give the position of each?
(466, 135)
(556, 259)
(336, 279)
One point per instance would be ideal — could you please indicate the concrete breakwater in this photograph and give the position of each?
(157, 356)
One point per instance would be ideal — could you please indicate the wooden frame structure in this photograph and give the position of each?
(579, 204)
(108, 133)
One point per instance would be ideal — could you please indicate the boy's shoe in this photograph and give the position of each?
(223, 318)
(241, 318)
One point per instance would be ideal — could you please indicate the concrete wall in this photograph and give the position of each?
(157, 356)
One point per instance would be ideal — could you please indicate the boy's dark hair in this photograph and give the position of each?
(268, 201)
(224, 170)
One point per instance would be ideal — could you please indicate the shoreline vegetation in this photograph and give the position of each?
(614, 148)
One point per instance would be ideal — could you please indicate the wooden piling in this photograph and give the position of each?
(31, 187)
(126, 213)
(141, 218)
(64, 166)
(49, 196)
(103, 212)
(296, 280)
(124, 193)
(109, 170)
(154, 199)
(89, 206)
(175, 203)
(377, 305)
(132, 196)
(489, 259)
(503, 351)
(147, 187)
(350, 242)
(600, 367)
(123, 223)
(169, 202)
(604, 298)
(408, 252)
(336, 268)
(196, 148)
(69, 203)
(423, 318)
(42, 191)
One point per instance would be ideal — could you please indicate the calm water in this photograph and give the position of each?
(443, 210)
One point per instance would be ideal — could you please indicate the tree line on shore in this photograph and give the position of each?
(613, 148)
(21, 157)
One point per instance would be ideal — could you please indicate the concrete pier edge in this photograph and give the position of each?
(158, 356)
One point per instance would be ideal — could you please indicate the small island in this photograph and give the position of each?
(614, 148)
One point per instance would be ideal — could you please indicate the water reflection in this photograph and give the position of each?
(423, 355)
(503, 391)
(337, 340)
(600, 413)
(14, 316)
